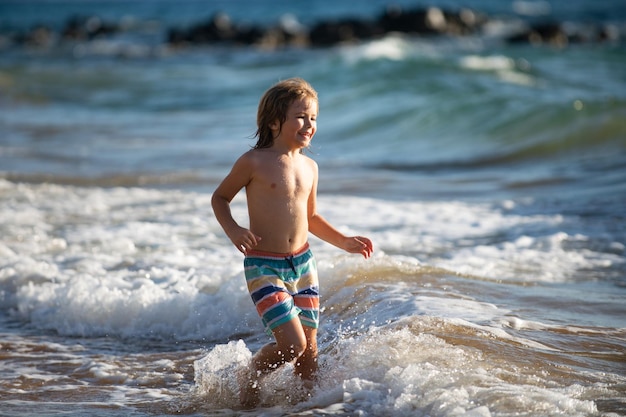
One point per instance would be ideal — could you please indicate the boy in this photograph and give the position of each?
(281, 191)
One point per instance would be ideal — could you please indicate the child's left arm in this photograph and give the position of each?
(321, 228)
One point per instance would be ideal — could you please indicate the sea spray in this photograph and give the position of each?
(489, 176)
(401, 370)
(216, 374)
(404, 369)
(219, 375)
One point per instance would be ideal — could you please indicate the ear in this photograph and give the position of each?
(275, 125)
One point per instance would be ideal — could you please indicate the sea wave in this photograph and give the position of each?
(146, 263)
(463, 305)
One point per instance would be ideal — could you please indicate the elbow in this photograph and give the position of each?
(312, 220)
(218, 201)
(214, 199)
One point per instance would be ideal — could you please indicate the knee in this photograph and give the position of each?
(294, 350)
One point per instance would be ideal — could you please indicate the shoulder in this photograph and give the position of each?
(248, 159)
(310, 166)
(250, 155)
(245, 165)
(310, 162)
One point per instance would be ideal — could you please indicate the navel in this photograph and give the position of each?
(273, 185)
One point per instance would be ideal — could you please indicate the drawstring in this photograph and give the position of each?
(290, 260)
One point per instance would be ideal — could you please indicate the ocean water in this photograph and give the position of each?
(489, 175)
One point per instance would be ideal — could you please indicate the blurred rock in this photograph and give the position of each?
(543, 33)
(289, 32)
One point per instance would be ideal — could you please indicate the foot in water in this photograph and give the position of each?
(249, 389)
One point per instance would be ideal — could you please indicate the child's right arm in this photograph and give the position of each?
(239, 177)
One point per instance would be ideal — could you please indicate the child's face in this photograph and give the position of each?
(300, 125)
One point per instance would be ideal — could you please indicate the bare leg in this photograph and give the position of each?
(306, 365)
(291, 343)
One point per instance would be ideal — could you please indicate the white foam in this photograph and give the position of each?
(393, 371)
(155, 264)
(533, 259)
(128, 263)
(216, 374)
(136, 262)
(449, 235)
(488, 63)
(397, 372)
(393, 47)
(504, 67)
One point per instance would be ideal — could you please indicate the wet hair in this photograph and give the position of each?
(274, 104)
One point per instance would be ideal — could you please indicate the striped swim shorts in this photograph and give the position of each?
(283, 286)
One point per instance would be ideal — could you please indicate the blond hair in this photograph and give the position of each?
(274, 104)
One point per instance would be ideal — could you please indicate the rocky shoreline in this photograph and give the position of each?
(219, 29)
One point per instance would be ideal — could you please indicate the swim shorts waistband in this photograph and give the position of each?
(277, 255)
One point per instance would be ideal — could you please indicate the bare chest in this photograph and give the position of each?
(287, 178)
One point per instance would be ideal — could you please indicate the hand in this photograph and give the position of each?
(359, 244)
(243, 239)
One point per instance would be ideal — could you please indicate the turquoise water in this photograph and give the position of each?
(489, 175)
